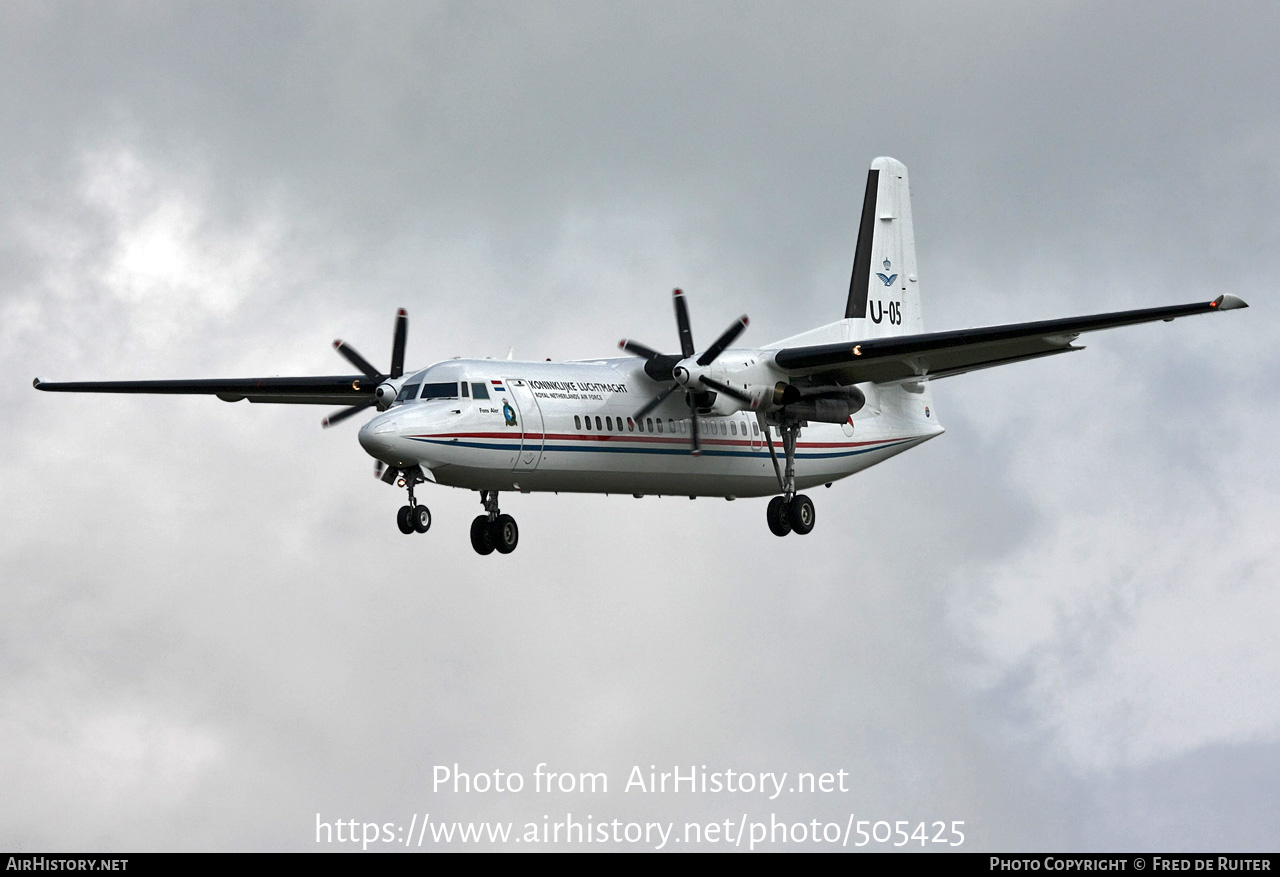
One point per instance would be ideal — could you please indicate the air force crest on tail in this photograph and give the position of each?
(509, 413)
(887, 277)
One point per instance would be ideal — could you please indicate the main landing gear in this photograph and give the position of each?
(493, 531)
(413, 518)
(791, 512)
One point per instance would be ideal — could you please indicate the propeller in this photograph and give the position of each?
(382, 394)
(669, 367)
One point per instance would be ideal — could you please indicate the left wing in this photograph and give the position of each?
(935, 355)
(335, 390)
(358, 392)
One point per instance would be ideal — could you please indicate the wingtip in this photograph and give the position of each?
(402, 313)
(36, 383)
(1228, 302)
(337, 343)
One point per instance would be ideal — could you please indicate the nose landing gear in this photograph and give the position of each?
(493, 531)
(413, 518)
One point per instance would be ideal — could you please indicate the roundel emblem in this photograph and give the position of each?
(509, 413)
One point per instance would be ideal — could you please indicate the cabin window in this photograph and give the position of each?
(648, 424)
(479, 391)
(659, 424)
(682, 430)
(724, 429)
(631, 425)
(440, 391)
(755, 429)
(599, 425)
(608, 422)
(588, 422)
(671, 425)
(407, 392)
(733, 428)
(577, 422)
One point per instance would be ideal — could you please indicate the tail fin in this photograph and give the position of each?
(884, 293)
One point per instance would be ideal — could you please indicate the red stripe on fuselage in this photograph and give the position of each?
(650, 439)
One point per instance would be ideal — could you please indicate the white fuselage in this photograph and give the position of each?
(570, 427)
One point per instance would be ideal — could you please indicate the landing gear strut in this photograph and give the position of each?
(791, 511)
(493, 531)
(413, 518)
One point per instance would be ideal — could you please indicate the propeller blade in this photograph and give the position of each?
(342, 415)
(656, 365)
(638, 349)
(682, 323)
(397, 346)
(349, 354)
(726, 389)
(693, 426)
(722, 343)
(656, 401)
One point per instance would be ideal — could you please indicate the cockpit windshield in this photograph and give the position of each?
(440, 391)
(420, 389)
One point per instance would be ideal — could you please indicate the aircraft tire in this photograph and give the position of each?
(420, 518)
(505, 534)
(482, 535)
(779, 519)
(801, 514)
(403, 521)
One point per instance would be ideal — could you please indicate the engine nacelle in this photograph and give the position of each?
(828, 404)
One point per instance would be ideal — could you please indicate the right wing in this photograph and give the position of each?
(935, 355)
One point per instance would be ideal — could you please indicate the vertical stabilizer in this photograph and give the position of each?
(884, 294)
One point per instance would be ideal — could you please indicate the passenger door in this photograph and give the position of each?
(529, 414)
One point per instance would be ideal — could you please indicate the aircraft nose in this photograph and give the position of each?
(378, 438)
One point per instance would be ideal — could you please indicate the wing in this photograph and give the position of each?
(332, 390)
(941, 354)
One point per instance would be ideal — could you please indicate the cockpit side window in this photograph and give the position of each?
(464, 390)
(479, 390)
(440, 390)
(407, 392)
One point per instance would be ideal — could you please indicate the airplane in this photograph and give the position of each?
(702, 422)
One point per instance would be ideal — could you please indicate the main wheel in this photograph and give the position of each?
(779, 520)
(403, 521)
(801, 514)
(421, 518)
(505, 534)
(482, 535)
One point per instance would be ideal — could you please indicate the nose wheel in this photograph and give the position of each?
(413, 518)
(493, 531)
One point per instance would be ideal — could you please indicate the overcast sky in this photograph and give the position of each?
(1055, 623)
